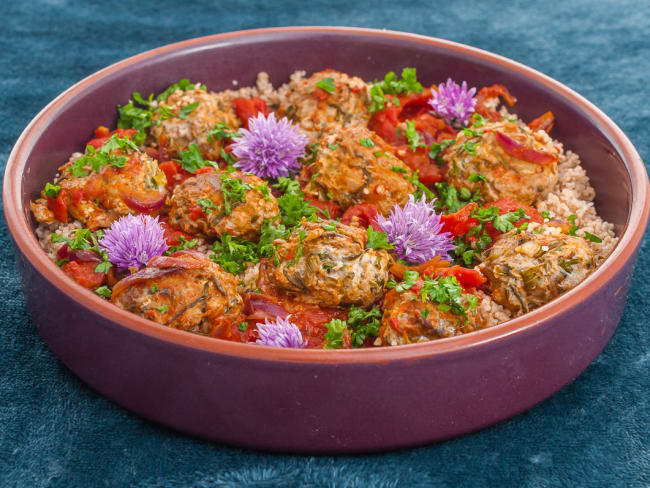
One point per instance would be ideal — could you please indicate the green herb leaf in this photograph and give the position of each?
(243, 326)
(367, 142)
(163, 308)
(413, 136)
(327, 84)
(334, 335)
(363, 324)
(591, 237)
(51, 191)
(187, 109)
(103, 291)
(206, 205)
(377, 239)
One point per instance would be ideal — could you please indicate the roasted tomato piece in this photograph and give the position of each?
(361, 215)
(175, 174)
(58, 206)
(487, 92)
(102, 134)
(428, 171)
(468, 278)
(414, 105)
(544, 122)
(249, 107)
(172, 235)
(384, 124)
(83, 272)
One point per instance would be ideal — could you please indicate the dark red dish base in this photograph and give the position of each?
(325, 401)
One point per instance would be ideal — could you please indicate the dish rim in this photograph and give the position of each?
(27, 244)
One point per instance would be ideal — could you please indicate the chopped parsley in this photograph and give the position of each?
(163, 308)
(391, 85)
(222, 131)
(51, 191)
(243, 326)
(183, 244)
(377, 239)
(408, 280)
(96, 159)
(206, 205)
(187, 109)
(191, 159)
(333, 147)
(233, 190)
(293, 207)
(591, 237)
(422, 189)
(334, 335)
(103, 291)
(327, 84)
(413, 136)
(450, 198)
(436, 149)
(183, 84)
(397, 169)
(367, 142)
(448, 294)
(363, 324)
(233, 253)
(287, 185)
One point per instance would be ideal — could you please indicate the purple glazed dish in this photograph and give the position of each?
(325, 401)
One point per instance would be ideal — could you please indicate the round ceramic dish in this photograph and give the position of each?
(324, 400)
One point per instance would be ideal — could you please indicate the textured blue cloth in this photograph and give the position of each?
(55, 431)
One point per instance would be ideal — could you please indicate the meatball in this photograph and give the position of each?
(176, 127)
(97, 191)
(331, 266)
(530, 268)
(407, 319)
(514, 162)
(185, 291)
(354, 165)
(326, 99)
(214, 203)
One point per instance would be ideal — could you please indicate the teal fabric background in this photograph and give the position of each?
(55, 431)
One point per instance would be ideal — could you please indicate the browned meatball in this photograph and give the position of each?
(479, 152)
(215, 203)
(354, 165)
(331, 267)
(176, 127)
(529, 269)
(407, 319)
(185, 291)
(99, 194)
(339, 101)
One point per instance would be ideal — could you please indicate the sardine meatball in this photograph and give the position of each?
(97, 192)
(408, 319)
(324, 100)
(214, 203)
(187, 117)
(328, 264)
(528, 269)
(503, 160)
(185, 291)
(354, 165)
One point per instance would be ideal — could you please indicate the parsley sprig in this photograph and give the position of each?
(107, 154)
(391, 85)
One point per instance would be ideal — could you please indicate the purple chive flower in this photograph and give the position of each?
(416, 232)
(453, 102)
(280, 333)
(133, 240)
(270, 148)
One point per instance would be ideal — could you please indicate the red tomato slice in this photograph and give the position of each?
(83, 272)
(249, 107)
(361, 215)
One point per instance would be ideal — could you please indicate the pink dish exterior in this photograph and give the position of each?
(324, 401)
